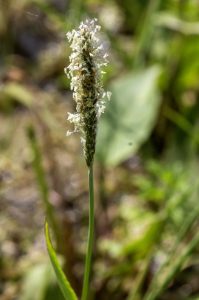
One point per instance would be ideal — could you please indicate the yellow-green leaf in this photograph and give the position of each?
(18, 92)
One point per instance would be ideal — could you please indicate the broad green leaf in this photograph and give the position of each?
(65, 286)
(129, 116)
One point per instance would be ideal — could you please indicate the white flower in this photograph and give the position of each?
(68, 133)
(98, 28)
(109, 95)
(85, 63)
(100, 47)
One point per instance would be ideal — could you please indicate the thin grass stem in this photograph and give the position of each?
(90, 234)
(146, 32)
(40, 175)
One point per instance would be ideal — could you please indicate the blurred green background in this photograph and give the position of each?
(146, 163)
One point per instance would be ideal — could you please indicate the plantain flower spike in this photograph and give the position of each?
(86, 82)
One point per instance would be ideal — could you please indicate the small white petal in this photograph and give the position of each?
(68, 133)
(101, 47)
(109, 95)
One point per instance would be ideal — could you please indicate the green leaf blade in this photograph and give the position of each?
(130, 116)
(65, 286)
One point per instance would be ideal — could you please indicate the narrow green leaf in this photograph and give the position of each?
(65, 286)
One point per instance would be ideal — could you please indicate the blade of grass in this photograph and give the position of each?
(157, 292)
(181, 122)
(41, 179)
(185, 227)
(146, 32)
(90, 235)
(65, 286)
(135, 291)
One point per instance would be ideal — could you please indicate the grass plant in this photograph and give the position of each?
(86, 60)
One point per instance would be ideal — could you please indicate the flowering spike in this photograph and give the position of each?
(86, 82)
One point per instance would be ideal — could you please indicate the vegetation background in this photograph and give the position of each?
(146, 163)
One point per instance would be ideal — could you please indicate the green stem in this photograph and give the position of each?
(90, 234)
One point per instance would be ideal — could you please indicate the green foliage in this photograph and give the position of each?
(129, 117)
(36, 282)
(133, 244)
(15, 92)
(40, 283)
(147, 150)
(41, 178)
(174, 269)
(65, 286)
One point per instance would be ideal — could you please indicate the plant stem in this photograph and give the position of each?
(90, 234)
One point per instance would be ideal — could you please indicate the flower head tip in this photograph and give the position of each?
(86, 82)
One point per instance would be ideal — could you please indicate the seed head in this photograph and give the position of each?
(86, 82)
